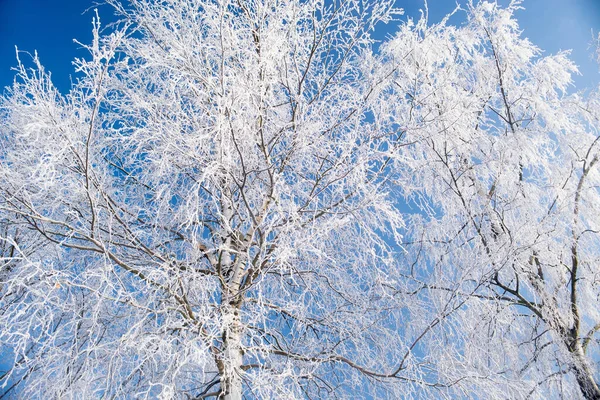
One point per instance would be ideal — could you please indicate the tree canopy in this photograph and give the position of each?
(257, 199)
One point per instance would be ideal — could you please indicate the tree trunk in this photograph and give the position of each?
(231, 375)
(583, 374)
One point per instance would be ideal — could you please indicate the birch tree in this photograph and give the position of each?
(205, 213)
(503, 180)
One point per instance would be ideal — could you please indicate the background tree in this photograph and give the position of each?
(503, 173)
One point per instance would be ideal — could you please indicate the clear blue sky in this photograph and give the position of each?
(49, 26)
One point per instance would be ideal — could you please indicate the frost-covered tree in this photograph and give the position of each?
(254, 199)
(205, 213)
(502, 170)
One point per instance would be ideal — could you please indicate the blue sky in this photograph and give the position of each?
(49, 26)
